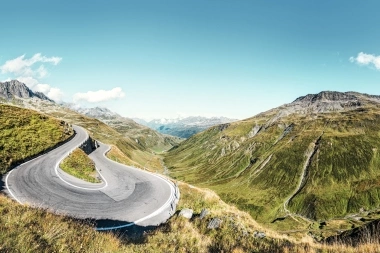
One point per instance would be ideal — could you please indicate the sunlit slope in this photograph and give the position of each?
(146, 137)
(25, 133)
(137, 153)
(317, 164)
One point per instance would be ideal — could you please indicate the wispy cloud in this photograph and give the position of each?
(367, 59)
(23, 66)
(30, 70)
(99, 96)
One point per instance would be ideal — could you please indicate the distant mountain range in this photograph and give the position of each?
(183, 127)
(142, 134)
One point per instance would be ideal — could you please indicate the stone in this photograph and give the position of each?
(258, 234)
(204, 212)
(255, 130)
(214, 223)
(187, 213)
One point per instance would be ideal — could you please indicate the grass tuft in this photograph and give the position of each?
(79, 165)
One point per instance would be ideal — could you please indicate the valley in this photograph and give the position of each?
(311, 161)
(184, 127)
(305, 171)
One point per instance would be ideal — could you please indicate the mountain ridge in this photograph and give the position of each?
(312, 159)
(15, 88)
(141, 134)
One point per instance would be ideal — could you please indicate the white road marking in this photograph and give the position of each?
(9, 190)
(158, 211)
(76, 186)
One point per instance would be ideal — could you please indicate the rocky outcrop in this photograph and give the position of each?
(14, 88)
(259, 234)
(187, 213)
(89, 145)
(326, 96)
(42, 96)
(287, 130)
(214, 223)
(203, 213)
(327, 101)
(255, 130)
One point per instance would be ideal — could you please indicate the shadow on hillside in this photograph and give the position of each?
(122, 229)
(2, 184)
(369, 233)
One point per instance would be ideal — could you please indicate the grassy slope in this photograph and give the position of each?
(123, 136)
(25, 229)
(137, 153)
(25, 133)
(81, 166)
(343, 176)
(145, 136)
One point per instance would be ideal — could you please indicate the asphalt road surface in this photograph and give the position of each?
(125, 197)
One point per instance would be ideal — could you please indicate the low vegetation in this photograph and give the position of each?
(79, 165)
(25, 229)
(137, 152)
(259, 171)
(25, 133)
(152, 163)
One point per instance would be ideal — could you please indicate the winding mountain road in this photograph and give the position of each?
(126, 196)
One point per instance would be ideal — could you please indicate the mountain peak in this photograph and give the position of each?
(328, 101)
(15, 88)
(97, 112)
(327, 96)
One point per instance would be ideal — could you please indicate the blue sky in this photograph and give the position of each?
(155, 59)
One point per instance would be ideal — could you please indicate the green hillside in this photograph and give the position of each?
(25, 133)
(137, 153)
(291, 160)
(26, 229)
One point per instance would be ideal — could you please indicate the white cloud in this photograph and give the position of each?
(99, 96)
(53, 93)
(22, 66)
(44, 88)
(41, 71)
(28, 80)
(29, 71)
(367, 59)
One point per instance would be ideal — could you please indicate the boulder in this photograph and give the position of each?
(204, 212)
(258, 234)
(187, 213)
(214, 223)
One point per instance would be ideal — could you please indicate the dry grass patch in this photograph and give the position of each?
(24, 229)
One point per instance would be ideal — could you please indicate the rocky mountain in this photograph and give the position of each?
(183, 127)
(15, 89)
(99, 112)
(141, 134)
(315, 159)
